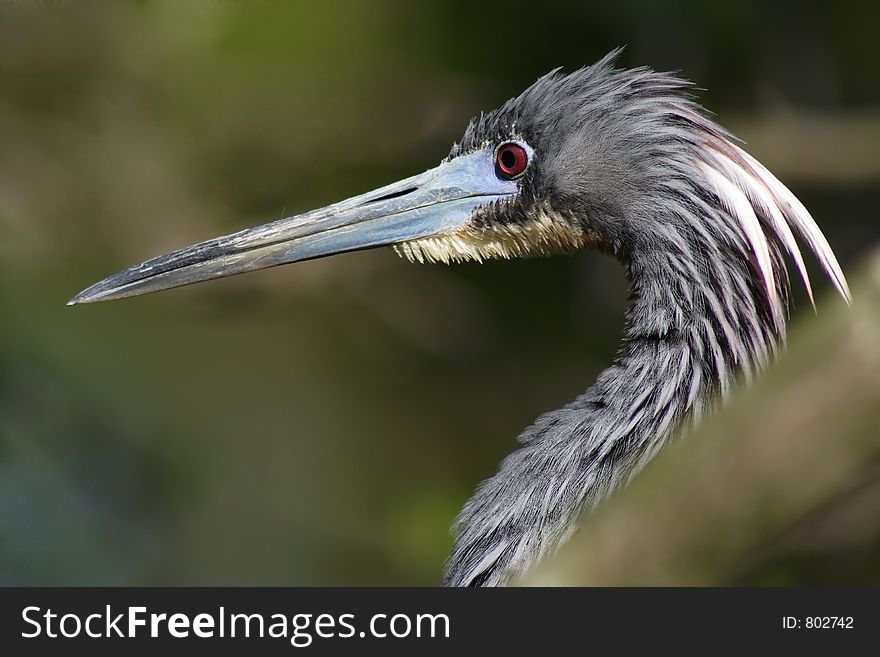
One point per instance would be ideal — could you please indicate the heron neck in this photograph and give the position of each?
(684, 344)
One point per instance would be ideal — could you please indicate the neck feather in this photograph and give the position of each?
(684, 345)
(709, 292)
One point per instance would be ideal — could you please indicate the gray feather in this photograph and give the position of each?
(701, 228)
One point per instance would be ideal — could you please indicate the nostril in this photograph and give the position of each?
(388, 197)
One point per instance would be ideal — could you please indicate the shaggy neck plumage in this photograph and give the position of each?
(701, 227)
(690, 330)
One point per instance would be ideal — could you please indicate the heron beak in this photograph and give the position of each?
(437, 202)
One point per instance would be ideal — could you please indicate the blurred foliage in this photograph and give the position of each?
(322, 424)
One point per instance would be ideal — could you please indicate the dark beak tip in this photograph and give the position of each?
(89, 295)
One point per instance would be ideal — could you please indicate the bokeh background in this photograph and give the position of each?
(322, 423)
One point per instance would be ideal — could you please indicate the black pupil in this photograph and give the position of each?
(508, 158)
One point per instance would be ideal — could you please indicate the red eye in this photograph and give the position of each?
(511, 160)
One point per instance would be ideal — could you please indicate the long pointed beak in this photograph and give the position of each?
(434, 203)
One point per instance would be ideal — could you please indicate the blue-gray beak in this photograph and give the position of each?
(437, 202)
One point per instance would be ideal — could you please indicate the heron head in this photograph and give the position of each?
(617, 159)
(500, 193)
(596, 156)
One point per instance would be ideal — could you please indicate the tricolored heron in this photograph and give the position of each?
(623, 161)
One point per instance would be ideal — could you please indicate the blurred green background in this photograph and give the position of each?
(322, 423)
